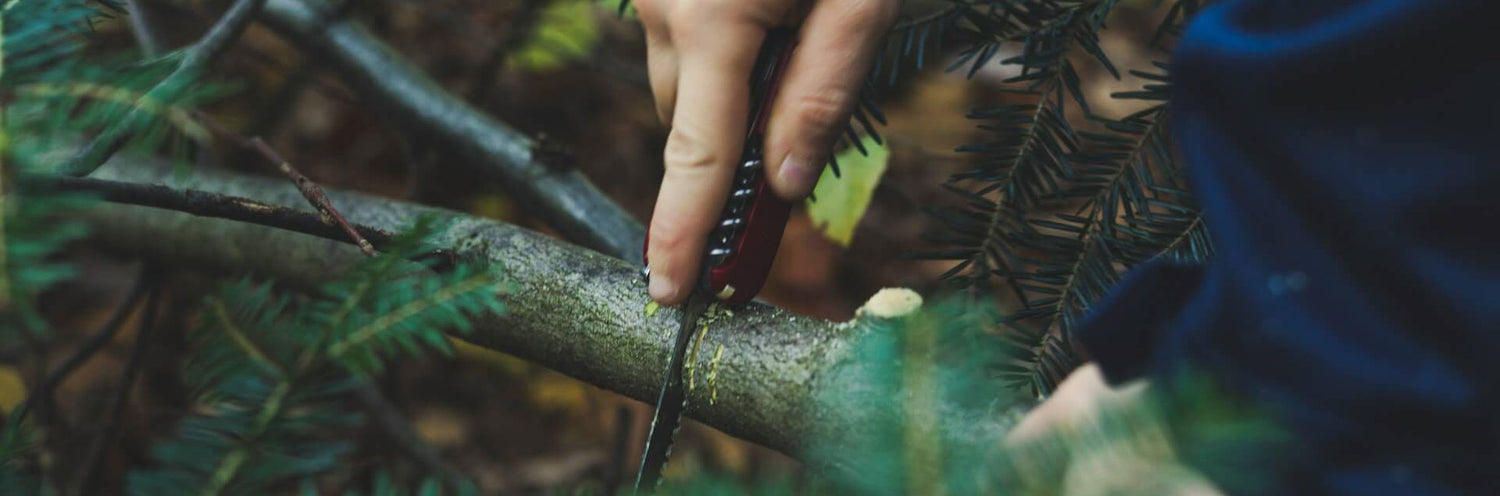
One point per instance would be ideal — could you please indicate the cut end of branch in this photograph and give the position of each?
(890, 303)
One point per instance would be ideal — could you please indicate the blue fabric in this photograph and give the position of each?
(1347, 154)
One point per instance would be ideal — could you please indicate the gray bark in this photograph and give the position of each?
(576, 311)
(561, 196)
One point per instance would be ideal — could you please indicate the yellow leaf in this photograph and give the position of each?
(12, 389)
(841, 201)
(552, 392)
(566, 30)
(498, 207)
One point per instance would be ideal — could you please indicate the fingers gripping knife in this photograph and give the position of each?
(738, 255)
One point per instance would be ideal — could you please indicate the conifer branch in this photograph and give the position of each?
(240, 339)
(230, 465)
(1036, 158)
(1094, 237)
(194, 64)
(179, 118)
(1192, 242)
(396, 316)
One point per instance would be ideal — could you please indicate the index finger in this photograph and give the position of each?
(708, 131)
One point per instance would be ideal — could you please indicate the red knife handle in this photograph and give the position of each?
(743, 245)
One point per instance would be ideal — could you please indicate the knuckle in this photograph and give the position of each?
(686, 150)
(820, 111)
(669, 236)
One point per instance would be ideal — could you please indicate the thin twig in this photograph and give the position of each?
(388, 417)
(93, 462)
(43, 394)
(145, 23)
(309, 189)
(313, 193)
(195, 63)
(207, 205)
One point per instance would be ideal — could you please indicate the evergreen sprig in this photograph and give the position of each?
(270, 369)
(55, 91)
(18, 471)
(32, 228)
(1054, 211)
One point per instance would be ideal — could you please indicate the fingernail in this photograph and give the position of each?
(798, 176)
(663, 288)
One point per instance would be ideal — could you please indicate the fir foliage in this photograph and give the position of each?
(1061, 201)
(18, 471)
(934, 370)
(270, 370)
(56, 91)
(33, 229)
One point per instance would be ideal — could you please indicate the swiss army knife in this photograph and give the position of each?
(737, 257)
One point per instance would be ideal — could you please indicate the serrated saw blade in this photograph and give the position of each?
(673, 399)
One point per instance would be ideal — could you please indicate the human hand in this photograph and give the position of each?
(1096, 462)
(700, 53)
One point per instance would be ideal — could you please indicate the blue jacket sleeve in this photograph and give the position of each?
(1347, 154)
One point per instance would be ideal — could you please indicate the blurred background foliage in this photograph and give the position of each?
(570, 73)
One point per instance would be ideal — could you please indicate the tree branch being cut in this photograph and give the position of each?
(757, 370)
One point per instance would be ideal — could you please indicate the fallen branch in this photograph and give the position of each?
(758, 371)
(559, 195)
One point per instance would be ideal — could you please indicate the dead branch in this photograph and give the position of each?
(559, 195)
